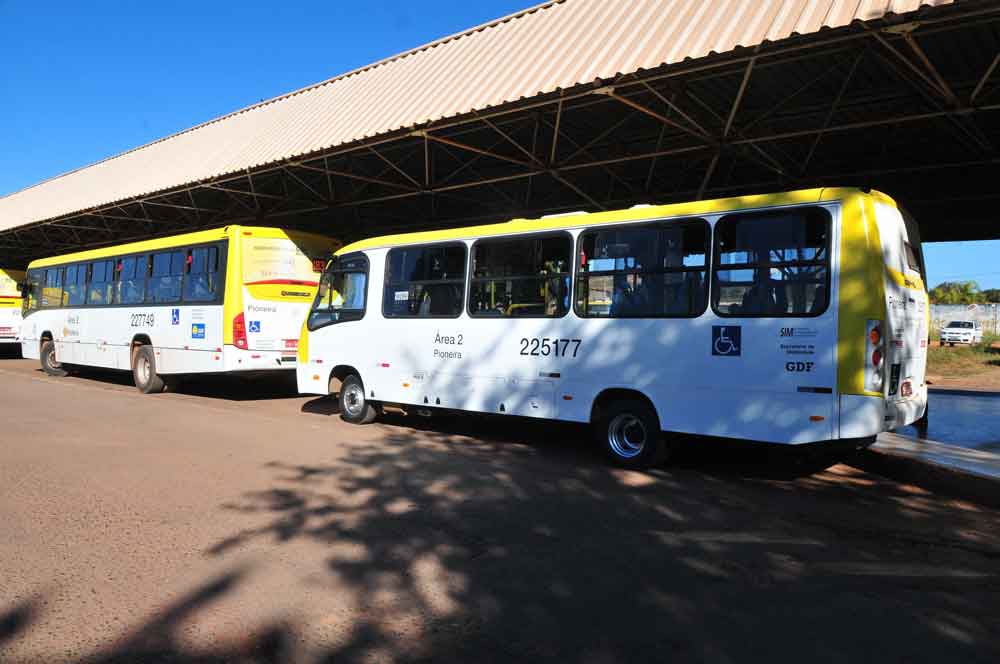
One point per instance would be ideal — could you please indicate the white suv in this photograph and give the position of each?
(962, 332)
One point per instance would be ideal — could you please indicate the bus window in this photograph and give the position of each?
(525, 277)
(202, 280)
(911, 257)
(281, 261)
(424, 282)
(652, 271)
(76, 285)
(168, 272)
(131, 279)
(52, 292)
(36, 278)
(342, 293)
(772, 263)
(101, 282)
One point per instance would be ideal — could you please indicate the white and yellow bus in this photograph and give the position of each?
(10, 305)
(789, 318)
(229, 299)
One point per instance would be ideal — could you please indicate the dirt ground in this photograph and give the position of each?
(238, 522)
(965, 374)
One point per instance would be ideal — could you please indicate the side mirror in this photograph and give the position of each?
(25, 288)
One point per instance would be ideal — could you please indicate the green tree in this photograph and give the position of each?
(990, 295)
(955, 292)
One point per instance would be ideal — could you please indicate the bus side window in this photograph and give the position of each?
(165, 282)
(52, 291)
(644, 271)
(522, 277)
(202, 269)
(131, 277)
(424, 281)
(770, 264)
(76, 285)
(99, 290)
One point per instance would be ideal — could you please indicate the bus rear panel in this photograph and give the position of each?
(10, 305)
(275, 275)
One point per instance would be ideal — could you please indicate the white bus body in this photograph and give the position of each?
(227, 300)
(802, 372)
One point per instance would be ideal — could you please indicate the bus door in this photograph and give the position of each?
(906, 304)
(771, 353)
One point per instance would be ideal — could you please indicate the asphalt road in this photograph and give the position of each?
(240, 522)
(963, 418)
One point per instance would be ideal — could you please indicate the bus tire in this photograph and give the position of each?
(144, 373)
(629, 431)
(50, 364)
(354, 407)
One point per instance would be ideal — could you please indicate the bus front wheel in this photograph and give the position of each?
(50, 364)
(144, 371)
(629, 431)
(354, 407)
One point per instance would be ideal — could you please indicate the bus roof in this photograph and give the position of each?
(573, 220)
(195, 237)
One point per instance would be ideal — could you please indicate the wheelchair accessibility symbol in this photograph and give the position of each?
(726, 340)
(255, 327)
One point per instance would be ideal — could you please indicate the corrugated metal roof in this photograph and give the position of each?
(552, 46)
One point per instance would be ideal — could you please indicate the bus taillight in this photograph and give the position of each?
(240, 332)
(874, 367)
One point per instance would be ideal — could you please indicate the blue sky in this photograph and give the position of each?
(963, 261)
(80, 81)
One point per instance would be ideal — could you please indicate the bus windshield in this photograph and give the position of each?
(342, 292)
(269, 260)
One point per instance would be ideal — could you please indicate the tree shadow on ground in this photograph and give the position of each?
(506, 547)
(470, 540)
(159, 641)
(16, 620)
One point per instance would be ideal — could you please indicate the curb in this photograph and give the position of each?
(941, 479)
(964, 391)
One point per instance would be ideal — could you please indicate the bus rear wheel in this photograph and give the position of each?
(144, 371)
(629, 432)
(354, 407)
(50, 364)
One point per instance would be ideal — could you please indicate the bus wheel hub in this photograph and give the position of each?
(626, 435)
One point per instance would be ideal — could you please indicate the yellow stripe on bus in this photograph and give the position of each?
(585, 219)
(197, 237)
(862, 290)
(303, 350)
(904, 280)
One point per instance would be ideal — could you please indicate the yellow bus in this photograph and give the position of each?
(790, 318)
(224, 300)
(10, 305)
